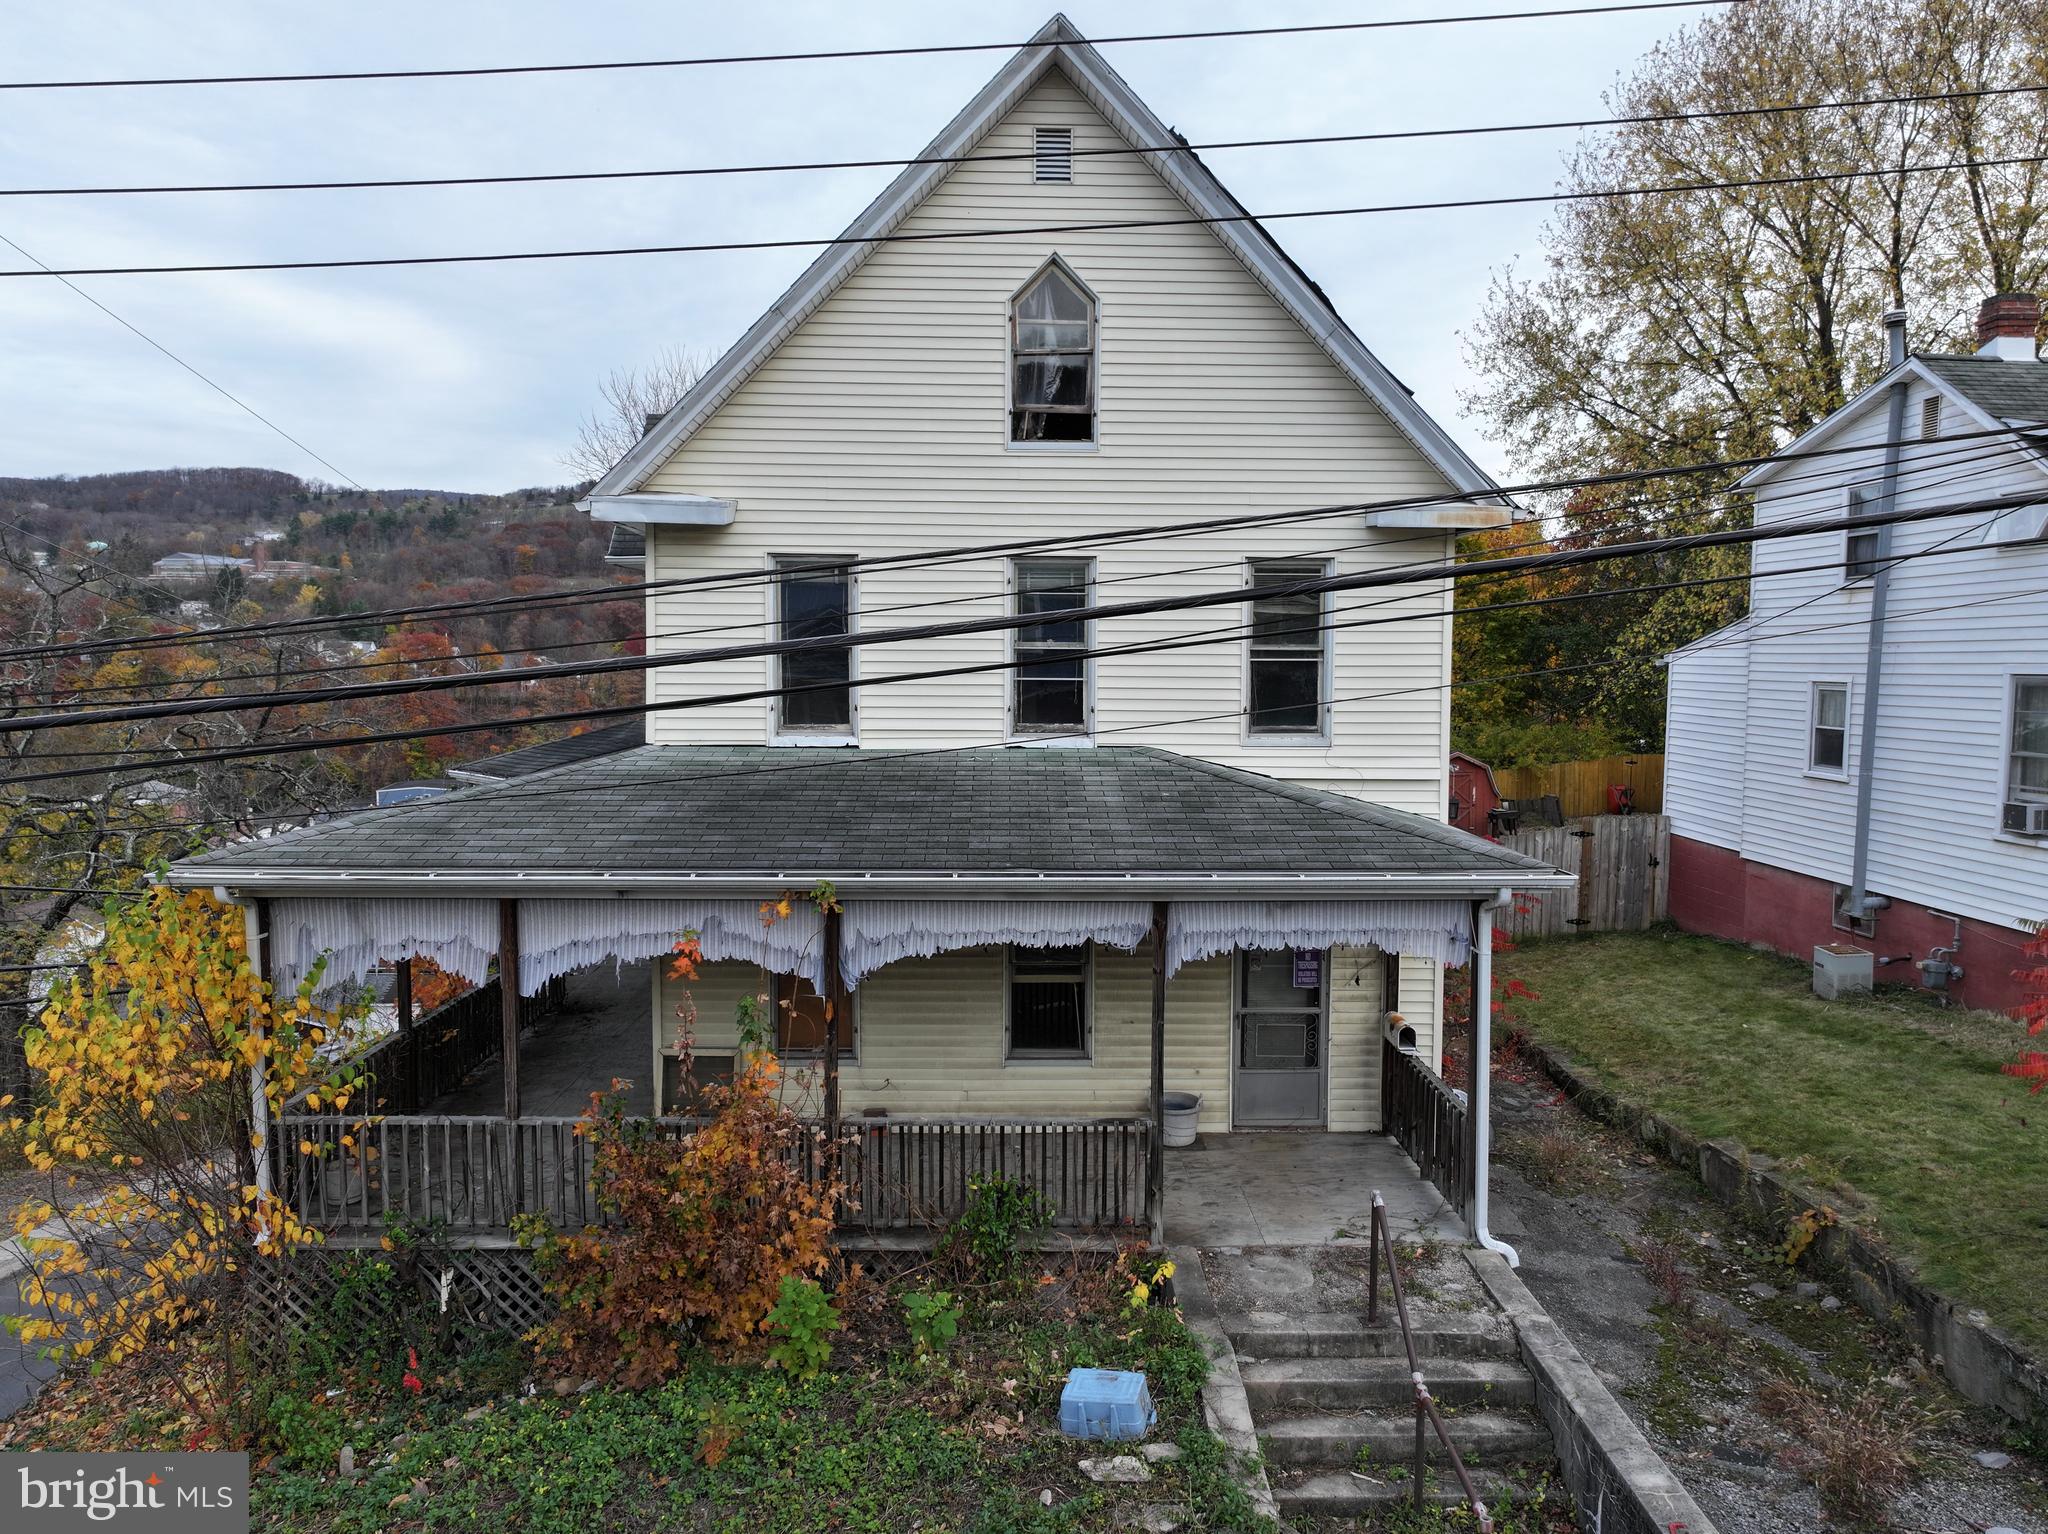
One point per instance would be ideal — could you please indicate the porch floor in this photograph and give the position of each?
(602, 1033)
(1297, 1188)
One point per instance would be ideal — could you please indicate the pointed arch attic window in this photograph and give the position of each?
(1052, 358)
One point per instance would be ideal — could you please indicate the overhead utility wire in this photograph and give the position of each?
(1637, 516)
(1365, 580)
(901, 237)
(1079, 152)
(902, 51)
(929, 558)
(1182, 643)
(221, 389)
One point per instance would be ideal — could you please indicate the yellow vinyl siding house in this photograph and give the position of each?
(1099, 849)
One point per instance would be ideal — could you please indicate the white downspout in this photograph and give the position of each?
(1482, 1072)
(259, 1073)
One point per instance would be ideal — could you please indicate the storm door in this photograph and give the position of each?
(1280, 1033)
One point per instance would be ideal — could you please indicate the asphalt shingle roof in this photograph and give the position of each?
(824, 811)
(549, 754)
(2012, 391)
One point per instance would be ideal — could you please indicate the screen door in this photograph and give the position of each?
(1281, 1039)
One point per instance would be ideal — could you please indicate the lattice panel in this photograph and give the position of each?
(479, 1291)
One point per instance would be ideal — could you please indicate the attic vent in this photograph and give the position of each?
(1930, 417)
(1052, 154)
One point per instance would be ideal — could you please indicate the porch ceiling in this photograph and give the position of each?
(1131, 821)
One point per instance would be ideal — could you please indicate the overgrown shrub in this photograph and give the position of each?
(1001, 1216)
(706, 1229)
(1860, 1447)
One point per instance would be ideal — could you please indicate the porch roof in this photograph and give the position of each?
(1129, 820)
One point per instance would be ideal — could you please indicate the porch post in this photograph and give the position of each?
(256, 919)
(835, 1009)
(508, 1001)
(1155, 1168)
(409, 1094)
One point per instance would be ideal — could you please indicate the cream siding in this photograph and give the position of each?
(1960, 624)
(880, 426)
(931, 1038)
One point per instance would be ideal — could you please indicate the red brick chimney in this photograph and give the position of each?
(2006, 324)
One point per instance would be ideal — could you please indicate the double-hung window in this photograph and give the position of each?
(1288, 662)
(2026, 770)
(1859, 547)
(1049, 687)
(814, 601)
(1052, 359)
(800, 1019)
(1827, 740)
(1049, 1003)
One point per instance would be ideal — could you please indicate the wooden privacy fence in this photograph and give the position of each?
(1581, 787)
(472, 1174)
(1427, 1120)
(1624, 868)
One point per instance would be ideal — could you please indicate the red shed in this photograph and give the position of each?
(1473, 793)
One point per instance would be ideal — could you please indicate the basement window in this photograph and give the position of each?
(1048, 1002)
(1052, 358)
(1052, 154)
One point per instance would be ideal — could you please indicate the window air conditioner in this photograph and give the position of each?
(2026, 819)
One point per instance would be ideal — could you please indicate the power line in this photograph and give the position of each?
(1831, 482)
(220, 389)
(518, 794)
(914, 237)
(1561, 559)
(905, 51)
(910, 633)
(930, 558)
(1298, 141)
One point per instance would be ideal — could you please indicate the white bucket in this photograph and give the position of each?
(1182, 1109)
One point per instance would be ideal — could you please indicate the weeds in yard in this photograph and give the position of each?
(1858, 1447)
(1561, 1159)
(1666, 1274)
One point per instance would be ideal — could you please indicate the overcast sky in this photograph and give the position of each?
(473, 377)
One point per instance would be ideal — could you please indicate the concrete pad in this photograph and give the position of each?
(1297, 1188)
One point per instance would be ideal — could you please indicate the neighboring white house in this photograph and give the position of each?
(1007, 844)
(1765, 741)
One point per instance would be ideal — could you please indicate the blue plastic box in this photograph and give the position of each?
(1106, 1403)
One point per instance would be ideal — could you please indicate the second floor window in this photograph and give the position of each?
(1827, 749)
(1052, 359)
(1285, 671)
(1859, 548)
(2027, 765)
(1049, 688)
(814, 601)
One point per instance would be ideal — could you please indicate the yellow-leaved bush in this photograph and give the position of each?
(143, 1115)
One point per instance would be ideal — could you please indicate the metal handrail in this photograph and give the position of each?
(1425, 1404)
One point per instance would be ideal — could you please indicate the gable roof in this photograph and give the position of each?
(1056, 45)
(1127, 819)
(1993, 391)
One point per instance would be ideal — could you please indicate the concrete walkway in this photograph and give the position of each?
(1296, 1189)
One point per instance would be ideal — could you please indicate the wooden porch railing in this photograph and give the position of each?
(1429, 1121)
(406, 1070)
(473, 1174)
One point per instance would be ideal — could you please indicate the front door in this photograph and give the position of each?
(1280, 1033)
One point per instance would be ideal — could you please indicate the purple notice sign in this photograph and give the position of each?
(1308, 969)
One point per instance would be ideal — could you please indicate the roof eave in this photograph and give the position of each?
(543, 884)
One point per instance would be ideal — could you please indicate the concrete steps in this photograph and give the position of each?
(1349, 1494)
(1388, 1437)
(1334, 1405)
(1288, 1385)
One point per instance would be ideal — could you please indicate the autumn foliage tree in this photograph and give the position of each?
(2032, 1064)
(144, 1121)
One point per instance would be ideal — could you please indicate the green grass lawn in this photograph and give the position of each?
(1891, 1101)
